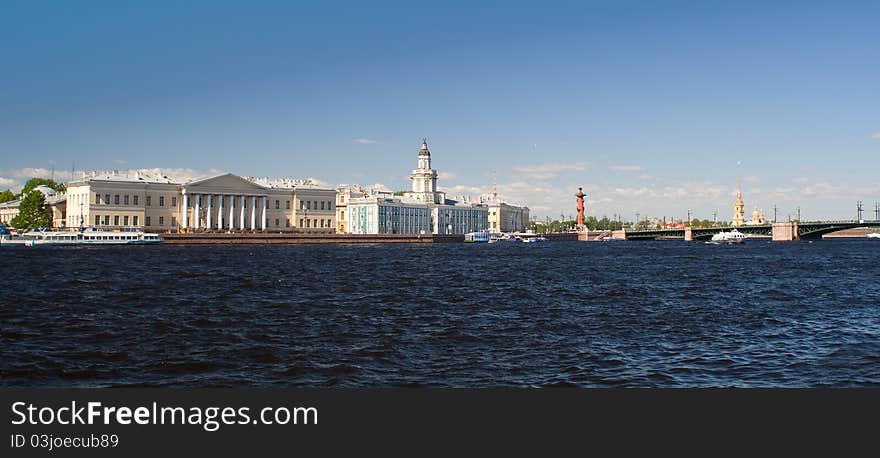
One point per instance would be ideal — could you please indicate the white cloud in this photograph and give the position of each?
(364, 141)
(378, 187)
(751, 179)
(876, 136)
(626, 168)
(447, 176)
(320, 183)
(547, 171)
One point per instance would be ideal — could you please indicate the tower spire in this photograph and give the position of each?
(738, 182)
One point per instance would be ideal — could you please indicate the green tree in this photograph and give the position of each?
(34, 182)
(32, 212)
(6, 196)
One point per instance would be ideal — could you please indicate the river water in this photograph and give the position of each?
(643, 314)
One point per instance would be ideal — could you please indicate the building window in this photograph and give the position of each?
(174, 221)
(302, 205)
(173, 201)
(149, 200)
(287, 204)
(147, 221)
(161, 202)
(300, 222)
(116, 219)
(106, 220)
(308, 222)
(97, 199)
(107, 199)
(125, 220)
(277, 223)
(97, 220)
(161, 220)
(342, 214)
(116, 199)
(136, 199)
(322, 205)
(134, 220)
(277, 205)
(125, 199)
(287, 222)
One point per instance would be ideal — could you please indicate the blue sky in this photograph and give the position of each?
(647, 105)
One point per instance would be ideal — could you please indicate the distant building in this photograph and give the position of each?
(424, 180)
(423, 210)
(504, 217)
(739, 208)
(386, 215)
(56, 201)
(225, 202)
(757, 218)
(343, 195)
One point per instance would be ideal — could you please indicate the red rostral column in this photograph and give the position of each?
(580, 195)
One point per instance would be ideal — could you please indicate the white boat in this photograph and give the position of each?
(477, 237)
(733, 236)
(874, 235)
(88, 237)
(495, 238)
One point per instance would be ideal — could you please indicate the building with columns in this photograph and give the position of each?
(223, 203)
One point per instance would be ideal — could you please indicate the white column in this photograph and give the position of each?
(220, 212)
(197, 215)
(231, 212)
(264, 201)
(242, 211)
(208, 220)
(185, 212)
(253, 212)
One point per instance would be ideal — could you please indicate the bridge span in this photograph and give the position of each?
(784, 231)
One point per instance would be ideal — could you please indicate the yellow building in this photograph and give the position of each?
(220, 203)
(739, 208)
(343, 195)
(504, 217)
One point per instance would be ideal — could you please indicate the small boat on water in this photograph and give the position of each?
(87, 237)
(874, 235)
(477, 237)
(496, 238)
(729, 237)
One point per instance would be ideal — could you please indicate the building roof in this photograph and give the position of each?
(131, 176)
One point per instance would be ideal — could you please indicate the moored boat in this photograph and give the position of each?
(87, 237)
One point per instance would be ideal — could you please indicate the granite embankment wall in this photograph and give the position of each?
(291, 239)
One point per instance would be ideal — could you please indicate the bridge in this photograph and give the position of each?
(778, 231)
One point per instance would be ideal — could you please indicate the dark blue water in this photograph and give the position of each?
(665, 314)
